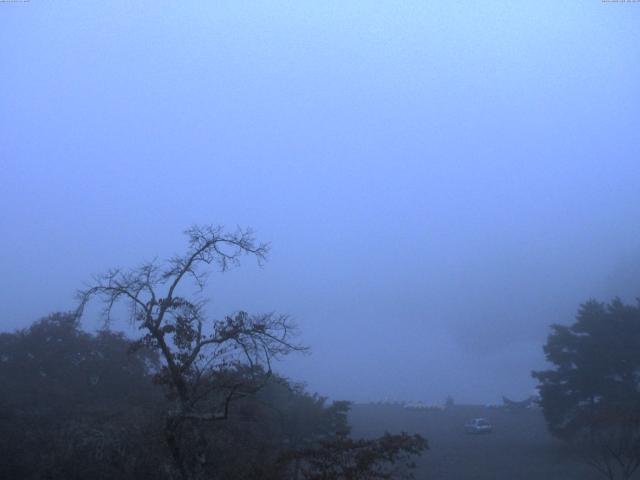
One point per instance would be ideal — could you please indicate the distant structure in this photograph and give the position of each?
(515, 405)
(449, 402)
(419, 405)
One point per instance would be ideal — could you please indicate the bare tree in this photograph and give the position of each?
(206, 364)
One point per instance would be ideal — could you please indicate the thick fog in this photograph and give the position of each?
(440, 181)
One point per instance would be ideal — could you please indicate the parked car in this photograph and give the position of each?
(478, 425)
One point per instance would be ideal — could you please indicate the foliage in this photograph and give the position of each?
(345, 458)
(318, 446)
(592, 395)
(74, 404)
(263, 429)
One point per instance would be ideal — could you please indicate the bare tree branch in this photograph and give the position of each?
(203, 359)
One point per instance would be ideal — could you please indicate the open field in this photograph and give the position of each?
(518, 449)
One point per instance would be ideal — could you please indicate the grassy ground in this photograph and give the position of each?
(518, 449)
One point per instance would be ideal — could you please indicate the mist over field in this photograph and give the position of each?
(438, 182)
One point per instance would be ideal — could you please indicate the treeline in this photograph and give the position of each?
(76, 405)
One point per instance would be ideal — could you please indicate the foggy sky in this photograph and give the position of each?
(440, 181)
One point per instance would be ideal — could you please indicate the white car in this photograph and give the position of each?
(478, 425)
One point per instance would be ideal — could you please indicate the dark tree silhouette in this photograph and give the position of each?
(592, 395)
(76, 405)
(344, 458)
(206, 364)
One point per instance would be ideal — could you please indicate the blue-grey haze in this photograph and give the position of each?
(440, 180)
